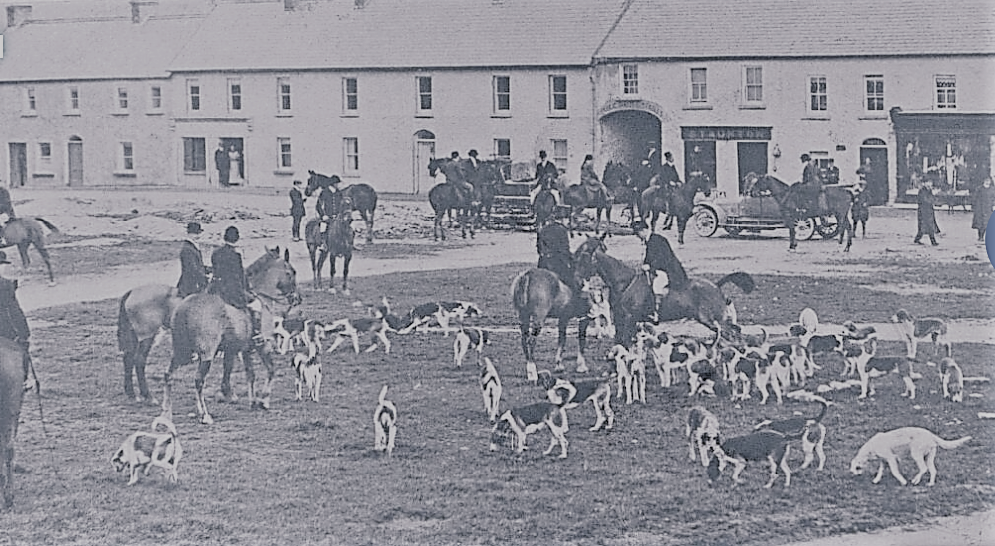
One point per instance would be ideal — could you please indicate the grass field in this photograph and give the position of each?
(306, 473)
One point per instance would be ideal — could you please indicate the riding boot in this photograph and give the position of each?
(322, 228)
(29, 382)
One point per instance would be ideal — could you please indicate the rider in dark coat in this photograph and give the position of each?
(811, 184)
(455, 174)
(13, 324)
(546, 171)
(231, 283)
(660, 257)
(668, 172)
(328, 206)
(553, 245)
(193, 274)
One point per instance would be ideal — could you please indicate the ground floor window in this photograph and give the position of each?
(194, 155)
(952, 162)
(127, 159)
(284, 161)
(502, 148)
(350, 146)
(559, 158)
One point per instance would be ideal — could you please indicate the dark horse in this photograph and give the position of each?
(632, 299)
(537, 294)
(362, 198)
(23, 232)
(623, 187)
(204, 325)
(448, 197)
(11, 397)
(145, 313)
(488, 176)
(578, 198)
(834, 201)
(544, 207)
(338, 239)
(6, 205)
(677, 202)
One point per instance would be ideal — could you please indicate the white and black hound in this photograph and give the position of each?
(630, 367)
(442, 312)
(379, 325)
(490, 385)
(763, 445)
(384, 423)
(572, 394)
(661, 347)
(308, 365)
(913, 330)
(702, 431)
(143, 450)
(469, 338)
(952, 380)
(600, 313)
(867, 364)
(813, 432)
(522, 421)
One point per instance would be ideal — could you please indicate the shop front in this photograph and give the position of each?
(953, 149)
(710, 150)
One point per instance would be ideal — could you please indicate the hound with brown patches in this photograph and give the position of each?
(661, 347)
(600, 313)
(763, 445)
(572, 394)
(952, 379)
(490, 385)
(813, 432)
(520, 422)
(702, 432)
(887, 447)
(442, 312)
(144, 450)
(867, 364)
(469, 338)
(384, 423)
(913, 330)
(308, 365)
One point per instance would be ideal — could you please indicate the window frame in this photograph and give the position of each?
(126, 155)
(818, 95)
(951, 92)
(30, 101)
(747, 102)
(194, 95)
(694, 87)
(284, 97)
(498, 142)
(874, 95)
(190, 157)
(121, 99)
(421, 95)
(350, 156)
(72, 102)
(234, 97)
(499, 108)
(43, 162)
(155, 99)
(560, 160)
(350, 99)
(554, 109)
(284, 157)
(629, 83)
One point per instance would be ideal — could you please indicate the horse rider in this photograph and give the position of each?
(328, 205)
(453, 169)
(13, 324)
(193, 274)
(231, 283)
(589, 179)
(660, 257)
(668, 172)
(811, 184)
(553, 245)
(546, 175)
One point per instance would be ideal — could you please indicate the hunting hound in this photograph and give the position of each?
(469, 338)
(952, 379)
(885, 447)
(308, 365)
(763, 445)
(813, 431)
(385, 423)
(913, 330)
(519, 422)
(143, 450)
(702, 432)
(490, 385)
(572, 394)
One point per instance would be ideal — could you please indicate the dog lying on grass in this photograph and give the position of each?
(143, 450)
(886, 447)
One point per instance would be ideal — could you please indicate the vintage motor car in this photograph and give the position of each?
(752, 213)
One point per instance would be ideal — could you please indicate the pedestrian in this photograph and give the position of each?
(982, 201)
(193, 274)
(231, 283)
(861, 205)
(296, 209)
(223, 164)
(926, 215)
(13, 324)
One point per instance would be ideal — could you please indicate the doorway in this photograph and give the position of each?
(18, 164)
(752, 159)
(627, 136)
(874, 160)
(75, 161)
(422, 153)
(699, 157)
(236, 159)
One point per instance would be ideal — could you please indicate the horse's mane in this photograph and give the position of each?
(261, 263)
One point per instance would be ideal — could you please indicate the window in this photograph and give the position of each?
(946, 92)
(72, 99)
(424, 93)
(155, 98)
(753, 84)
(193, 90)
(30, 102)
(502, 148)
(350, 95)
(875, 93)
(559, 148)
(630, 79)
(502, 94)
(557, 94)
(234, 95)
(284, 150)
(127, 159)
(350, 146)
(44, 157)
(283, 91)
(194, 155)
(818, 98)
(699, 86)
(122, 99)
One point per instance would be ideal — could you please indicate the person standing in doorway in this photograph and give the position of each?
(296, 210)
(235, 167)
(926, 215)
(223, 164)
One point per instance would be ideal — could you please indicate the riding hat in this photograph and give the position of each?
(588, 157)
(334, 179)
(472, 153)
(454, 155)
(231, 234)
(194, 228)
(638, 226)
(3, 258)
(806, 157)
(297, 182)
(542, 153)
(668, 155)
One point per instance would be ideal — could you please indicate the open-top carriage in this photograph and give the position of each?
(513, 200)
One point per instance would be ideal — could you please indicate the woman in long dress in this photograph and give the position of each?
(235, 166)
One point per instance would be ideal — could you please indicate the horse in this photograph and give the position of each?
(791, 201)
(11, 398)
(362, 198)
(489, 175)
(6, 205)
(677, 202)
(24, 232)
(203, 325)
(447, 197)
(622, 185)
(577, 198)
(537, 294)
(145, 314)
(699, 299)
(544, 208)
(338, 239)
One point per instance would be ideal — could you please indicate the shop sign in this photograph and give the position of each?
(725, 133)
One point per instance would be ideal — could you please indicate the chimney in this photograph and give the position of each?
(17, 15)
(360, 4)
(141, 10)
(290, 5)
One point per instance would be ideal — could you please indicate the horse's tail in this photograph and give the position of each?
(127, 339)
(520, 291)
(741, 279)
(48, 224)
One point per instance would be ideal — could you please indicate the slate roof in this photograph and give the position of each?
(400, 34)
(657, 29)
(97, 40)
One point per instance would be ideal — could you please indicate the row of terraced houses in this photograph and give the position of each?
(143, 93)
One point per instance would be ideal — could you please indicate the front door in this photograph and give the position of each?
(236, 160)
(75, 162)
(699, 156)
(18, 164)
(752, 159)
(877, 177)
(424, 152)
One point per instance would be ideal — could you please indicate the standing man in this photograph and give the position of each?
(13, 324)
(546, 175)
(296, 209)
(230, 282)
(926, 215)
(223, 163)
(193, 274)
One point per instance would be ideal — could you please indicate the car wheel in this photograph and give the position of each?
(804, 229)
(706, 222)
(828, 227)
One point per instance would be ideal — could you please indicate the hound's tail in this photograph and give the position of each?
(741, 279)
(127, 339)
(822, 412)
(165, 422)
(952, 444)
(48, 224)
(383, 395)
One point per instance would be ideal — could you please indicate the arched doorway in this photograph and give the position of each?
(874, 162)
(422, 151)
(627, 135)
(75, 156)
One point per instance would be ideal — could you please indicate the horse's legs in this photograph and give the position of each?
(22, 248)
(682, 224)
(849, 230)
(561, 341)
(368, 219)
(791, 234)
(531, 373)
(582, 325)
(345, 272)
(331, 273)
(44, 256)
(178, 360)
(203, 367)
(226, 394)
(322, 256)
(250, 376)
(265, 354)
(141, 358)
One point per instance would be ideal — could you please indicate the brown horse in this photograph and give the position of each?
(838, 202)
(677, 202)
(23, 232)
(339, 238)
(11, 397)
(577, 198)
(537, 294)
(145, 314)
(361, 198)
